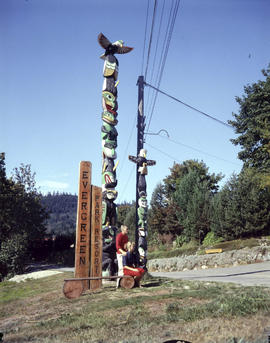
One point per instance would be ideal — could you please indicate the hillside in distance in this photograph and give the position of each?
(62, 209)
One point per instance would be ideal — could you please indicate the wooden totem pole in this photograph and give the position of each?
(109, 144)
(142, 207)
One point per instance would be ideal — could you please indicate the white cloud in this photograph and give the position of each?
(48, 185)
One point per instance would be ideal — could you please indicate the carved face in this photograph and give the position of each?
(108, 131)
(109, 99)
(108, 151)
(143, 153)
(109, 118)
(110, 69)
(112, 194)
(108, 179)
(143, 202)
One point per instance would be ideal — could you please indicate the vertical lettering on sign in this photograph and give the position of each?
(96, 237)
(82, 249)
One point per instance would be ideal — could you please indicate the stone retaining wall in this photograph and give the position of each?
(225, 259)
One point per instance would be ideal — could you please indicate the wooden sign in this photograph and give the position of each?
(96, 238)
(82, 249)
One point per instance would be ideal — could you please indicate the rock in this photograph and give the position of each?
(225, 259)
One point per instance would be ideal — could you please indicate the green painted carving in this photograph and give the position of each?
(109, 118)
(109, 99)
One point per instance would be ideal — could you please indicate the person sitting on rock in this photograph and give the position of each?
(130, 264)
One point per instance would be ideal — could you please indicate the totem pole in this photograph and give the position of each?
(109, 144)
(142, 164)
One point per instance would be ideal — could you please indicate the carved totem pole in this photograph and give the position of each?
(142, 164)
(109, 144)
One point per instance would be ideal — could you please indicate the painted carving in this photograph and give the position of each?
(142, 163)
(109, 144)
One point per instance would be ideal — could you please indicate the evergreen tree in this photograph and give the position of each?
(252, 124)
(242, 208)
(157, 214)
(130, 221)
(178, 171)
(193, 197)
(122, 211)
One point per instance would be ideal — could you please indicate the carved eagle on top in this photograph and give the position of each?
(112, 48)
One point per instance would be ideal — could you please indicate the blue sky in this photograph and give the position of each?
(51, 83)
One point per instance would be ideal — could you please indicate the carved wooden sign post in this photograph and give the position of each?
(88, 250)
(96, 237)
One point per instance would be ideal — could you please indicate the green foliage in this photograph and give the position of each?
(21, 218)
(210, 239)
(181, 206)
(122, 211)
(62, 209)
(13, 254)
(242, 207)
(193, 198)
(253, 125)
(178, 171)
(180, 240)
(130, 221)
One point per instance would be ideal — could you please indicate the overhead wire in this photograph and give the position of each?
(149, 104)
(198, 150)
(164, 153)
(151, 37)
(189, 106)
(187, 146)
(166, 50)
(156, 49)
(127, 145)
(145, 31)
(126, 184)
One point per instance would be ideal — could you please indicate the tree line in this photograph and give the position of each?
(188, 204)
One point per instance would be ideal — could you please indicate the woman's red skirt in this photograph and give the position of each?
(139, 272)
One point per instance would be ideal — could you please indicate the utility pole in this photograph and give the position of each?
(140, 141)
(141, 194)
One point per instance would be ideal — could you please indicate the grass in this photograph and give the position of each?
(37, 311)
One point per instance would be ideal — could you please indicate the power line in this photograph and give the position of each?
(151, 36)
(157, 44)
(175, 159)
(189, 106)
(128, 142)
(200, 151)
(145, 30)
(127, 182)
(167, 41)
(164, 153)
(160, 61)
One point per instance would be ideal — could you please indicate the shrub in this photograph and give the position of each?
(211, 239)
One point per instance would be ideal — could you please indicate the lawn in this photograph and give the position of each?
(37, 311)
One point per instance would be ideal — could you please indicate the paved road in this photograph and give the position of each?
(248, 275)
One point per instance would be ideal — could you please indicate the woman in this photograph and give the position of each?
(130, 264)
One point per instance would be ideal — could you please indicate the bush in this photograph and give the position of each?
(13, 255)
(210, 239)
(180, 240)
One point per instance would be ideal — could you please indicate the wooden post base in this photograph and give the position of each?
(127, 282)
(73, 288)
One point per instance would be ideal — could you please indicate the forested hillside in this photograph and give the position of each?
(62, 209)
